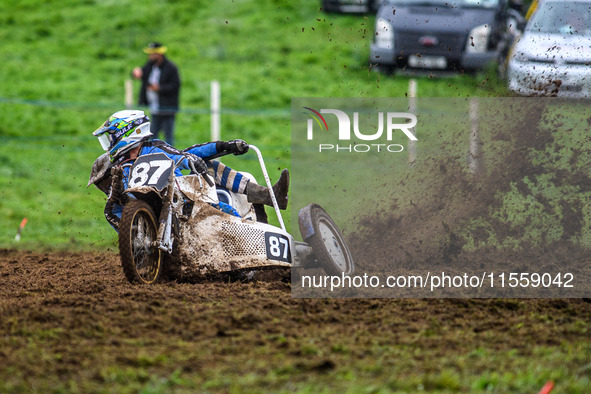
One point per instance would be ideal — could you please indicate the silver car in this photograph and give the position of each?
(553, 57)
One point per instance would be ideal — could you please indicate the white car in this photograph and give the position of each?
(553, 57)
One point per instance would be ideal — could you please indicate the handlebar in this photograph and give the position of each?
(202, 173)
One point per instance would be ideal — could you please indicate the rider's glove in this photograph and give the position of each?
(237, 147)
(197, 165)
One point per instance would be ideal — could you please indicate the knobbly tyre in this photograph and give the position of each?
(172, 227)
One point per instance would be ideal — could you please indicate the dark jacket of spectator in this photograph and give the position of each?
(170, 85)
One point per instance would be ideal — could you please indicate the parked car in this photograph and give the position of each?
(443, 34)
(350, 6)
(553, 58)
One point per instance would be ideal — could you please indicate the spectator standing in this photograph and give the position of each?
(160, 90)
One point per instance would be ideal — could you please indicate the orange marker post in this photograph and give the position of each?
(20, 229)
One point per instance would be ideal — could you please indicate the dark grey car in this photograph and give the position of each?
(443, 35)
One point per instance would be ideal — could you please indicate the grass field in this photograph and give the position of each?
(66, 62)
(69, 321)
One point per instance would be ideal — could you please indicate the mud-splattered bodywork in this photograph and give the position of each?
(209, 241)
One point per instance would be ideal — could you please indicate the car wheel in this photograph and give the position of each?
(382, 68)
(502, 69)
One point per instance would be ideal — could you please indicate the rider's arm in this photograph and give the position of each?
(180, 159)
(212, 150)
(205, 150)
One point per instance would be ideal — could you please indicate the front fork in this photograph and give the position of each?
(170, 201)
(165, 237)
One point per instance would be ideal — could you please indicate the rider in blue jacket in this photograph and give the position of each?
(126, 136)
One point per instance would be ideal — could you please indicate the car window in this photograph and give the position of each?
(449, 3)
(561, 18)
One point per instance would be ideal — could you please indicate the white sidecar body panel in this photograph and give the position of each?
(212, 241)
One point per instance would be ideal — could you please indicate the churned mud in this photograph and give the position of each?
(71, 321)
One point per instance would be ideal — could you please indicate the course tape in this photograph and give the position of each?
(87, 143)
(271, 112)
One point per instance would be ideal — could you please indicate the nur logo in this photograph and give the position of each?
(317, 117)
(388, 123)
(393, 122)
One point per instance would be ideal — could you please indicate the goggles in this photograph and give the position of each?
(104, 141)
(104, 135)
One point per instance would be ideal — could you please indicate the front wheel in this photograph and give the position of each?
(327, 242)
(140, 257)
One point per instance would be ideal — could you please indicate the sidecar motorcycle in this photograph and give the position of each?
(172, 226)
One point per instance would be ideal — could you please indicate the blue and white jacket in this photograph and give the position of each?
(223, 174)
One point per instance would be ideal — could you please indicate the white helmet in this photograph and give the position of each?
(123, 131)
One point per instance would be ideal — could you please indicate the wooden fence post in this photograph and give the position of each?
(412, 108)
(128, 98)
(474, 156)
(215, 111)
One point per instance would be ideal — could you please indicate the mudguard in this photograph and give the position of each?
(305, 221)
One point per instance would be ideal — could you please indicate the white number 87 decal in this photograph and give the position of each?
(277, 247)
(149, 172)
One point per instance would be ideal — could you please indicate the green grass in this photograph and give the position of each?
(64, 64)
(64, 72)
(385, 355)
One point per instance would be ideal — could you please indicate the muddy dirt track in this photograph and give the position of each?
(70, 321)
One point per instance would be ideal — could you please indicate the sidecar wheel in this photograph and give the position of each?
(327, 242)
(141, 260)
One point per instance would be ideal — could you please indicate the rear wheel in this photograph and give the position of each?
(140, 257)
(327, 242)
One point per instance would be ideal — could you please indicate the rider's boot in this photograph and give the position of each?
(258, 194)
